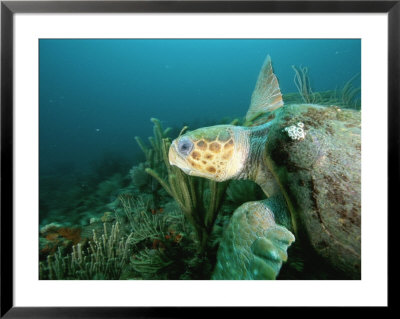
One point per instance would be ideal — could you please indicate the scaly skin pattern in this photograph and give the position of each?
(320, 177)
(212, 155)
(216, 153)
(254, 245)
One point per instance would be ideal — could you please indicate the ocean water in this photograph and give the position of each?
(96, 95)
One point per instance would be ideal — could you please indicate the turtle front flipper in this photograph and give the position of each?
(269, 252)
(254, 246)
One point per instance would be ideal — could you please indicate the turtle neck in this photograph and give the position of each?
(255, 167)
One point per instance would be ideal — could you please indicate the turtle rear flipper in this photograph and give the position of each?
(253, 246)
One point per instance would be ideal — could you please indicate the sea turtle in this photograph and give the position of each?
(306, 158)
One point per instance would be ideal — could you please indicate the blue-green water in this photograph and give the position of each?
(96, 96)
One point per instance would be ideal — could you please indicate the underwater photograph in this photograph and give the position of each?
(199, 159)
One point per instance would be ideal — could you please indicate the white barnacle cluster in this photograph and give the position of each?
(296, 132)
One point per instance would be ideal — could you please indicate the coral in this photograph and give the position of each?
(104, 258)
(198, 198)
(302, 82)
(346, 97)
(153, 154)
(72, 234)
(54, 236)
(139, 176)
(348, 94)
(149, 262)
(201, 211)
(143, 224)
(163, 242)
(52, 227)
(107, 217)
(94, 220)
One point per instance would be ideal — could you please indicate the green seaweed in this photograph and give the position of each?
(142, 224)
(302, 82)
(157, 238)
(153, 154)
(346, 97)
(349, 93)
(157, 246)
(199, 199)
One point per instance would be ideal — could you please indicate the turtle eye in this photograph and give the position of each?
(185, 146)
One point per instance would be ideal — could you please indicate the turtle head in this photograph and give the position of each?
(212, 152)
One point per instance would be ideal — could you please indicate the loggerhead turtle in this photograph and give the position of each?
(306, 158)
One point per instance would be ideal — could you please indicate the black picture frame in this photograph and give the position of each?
(9, 8)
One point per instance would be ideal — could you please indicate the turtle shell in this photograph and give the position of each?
(315, 154)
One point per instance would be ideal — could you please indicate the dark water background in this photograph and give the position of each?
(96, 95)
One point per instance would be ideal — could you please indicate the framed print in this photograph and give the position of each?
(164, 155)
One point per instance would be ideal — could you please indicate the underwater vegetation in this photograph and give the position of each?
(347, 96)
(81, 196)
(164, 243)
(156, 223)
(302, 82)
(175, 238)
(199, 199)
(104, 257)
(306, 158)
(153, 221)
(133, 243)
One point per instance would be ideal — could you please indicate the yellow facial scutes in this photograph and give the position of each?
(212, 152)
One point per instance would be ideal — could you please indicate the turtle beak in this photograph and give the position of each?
(172, 153)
